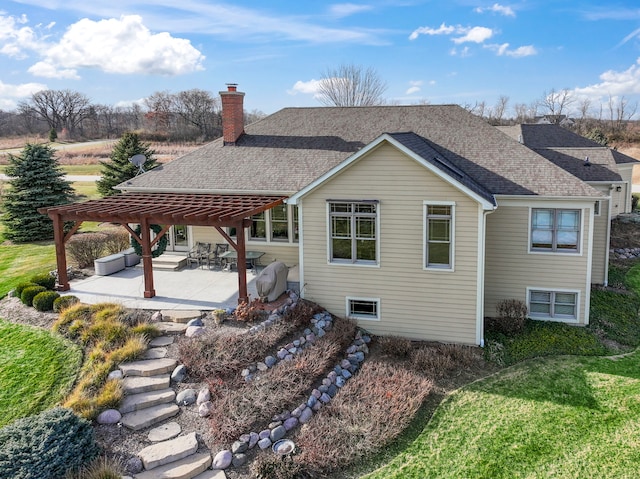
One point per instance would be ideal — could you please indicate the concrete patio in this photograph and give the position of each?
(187, 289)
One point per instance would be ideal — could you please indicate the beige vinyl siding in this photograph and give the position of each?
(600, 244)
(414, 302)
(510, 268)
(624, 197)
(288, 253)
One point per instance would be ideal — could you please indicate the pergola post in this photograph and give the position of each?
(147, 258)
(243, 295)
(61, 255)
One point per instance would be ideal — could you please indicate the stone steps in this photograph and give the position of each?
(168, 451)
(140, 384)
(148, 367)
(136, 402)
(187, 468)
(168, 262)
(146, 417)
(169, 327)
(180, 316)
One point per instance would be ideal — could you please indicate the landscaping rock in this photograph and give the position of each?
(179, 373)
(117, 374)
(264, 443)
(134, 465)
(204, 409)
(239, 446)
(110, 416)
(278, 433)
(186, 397)
(264, 433)
(239, 460)
(222, 460)
(253, 439)
(291, 423)
(204, 395)
(270, 361)
(306, 415)
(194, 331)
(157, 316)
(195, 322)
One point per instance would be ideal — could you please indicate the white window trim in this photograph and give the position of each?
(268, 231)
(425, 266)
(581, 248)
(597, 208)
(330, 260)
(348, 314)
(556, 319)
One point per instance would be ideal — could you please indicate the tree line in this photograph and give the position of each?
(190, 115)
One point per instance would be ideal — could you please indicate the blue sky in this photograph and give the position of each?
(453, 51)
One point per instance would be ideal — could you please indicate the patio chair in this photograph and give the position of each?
(199, 254)
(214, 257)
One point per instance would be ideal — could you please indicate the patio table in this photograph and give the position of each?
(231, 257)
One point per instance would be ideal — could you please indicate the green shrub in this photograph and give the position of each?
(29, 293)
(46, 446)
(20, 288)
(44, 279)
(44, 301)
(63, 302)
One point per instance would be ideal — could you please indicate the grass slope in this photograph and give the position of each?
(18, 262)
(560, 417)
(37, 369)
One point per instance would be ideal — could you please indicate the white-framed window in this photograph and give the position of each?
(439, 227)
(553, 304)
(277, 225)
(363, 308)
(353, 232)
(555, 230)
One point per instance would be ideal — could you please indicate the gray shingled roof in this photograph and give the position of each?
(569, 151)
(286, 151)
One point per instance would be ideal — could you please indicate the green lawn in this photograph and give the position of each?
(37, 370)
(565, 417)
(18, 262)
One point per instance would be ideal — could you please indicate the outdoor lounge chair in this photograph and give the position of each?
(199, 254)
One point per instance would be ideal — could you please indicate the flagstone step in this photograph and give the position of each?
(168, 451)
(167, 262)
(180, 316)
(212, 474)
(155, 353)
(140, 384)
(186, 468)
(137, 420)
(161, 341)
(148, 367)
(136, 402)
(169, 327)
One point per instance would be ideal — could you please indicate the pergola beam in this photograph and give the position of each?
(167, 209)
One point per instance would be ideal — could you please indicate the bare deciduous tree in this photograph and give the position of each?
(620, 112)
(351, 85)
(557, 102)
(200, 109)
(59, 108)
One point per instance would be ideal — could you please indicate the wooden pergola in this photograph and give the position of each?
(166, 210)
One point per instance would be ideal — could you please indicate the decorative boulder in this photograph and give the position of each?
(110, 416)
(222, 460)
(272, 281)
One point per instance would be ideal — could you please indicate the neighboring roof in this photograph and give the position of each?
(288, 150)
(568, 150)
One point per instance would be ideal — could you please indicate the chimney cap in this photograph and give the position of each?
(231, 86)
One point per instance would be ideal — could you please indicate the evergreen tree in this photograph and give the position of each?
(36, 181)
(119, 169)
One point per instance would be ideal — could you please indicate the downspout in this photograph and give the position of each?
(482, 243)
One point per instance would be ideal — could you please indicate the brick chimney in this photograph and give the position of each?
(232, 114)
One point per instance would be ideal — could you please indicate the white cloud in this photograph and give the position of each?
(341, 10)
(503, 50)
(16, 40)
(441, 30)
(475, 35)
(415, 87)
(464, 52)
(614, 83)
(10, 95)
(123, 45)
(468, 34)
(48, 70)
(307, 87)
(497, 8)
